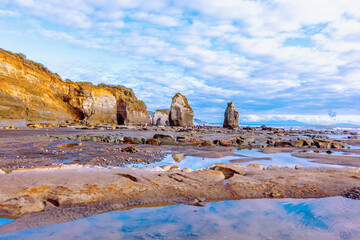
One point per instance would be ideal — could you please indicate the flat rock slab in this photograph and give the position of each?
(44, 196)
(65, 186)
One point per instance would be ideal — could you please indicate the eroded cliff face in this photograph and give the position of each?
(161, 117)
(30, 92)
(129, 110)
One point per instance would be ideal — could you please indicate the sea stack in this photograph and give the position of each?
(231, 117)
(181, 114)
(161, 117)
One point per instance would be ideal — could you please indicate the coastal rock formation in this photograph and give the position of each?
(231, 117)
(181, 114)
(161, 117)
(30, 92)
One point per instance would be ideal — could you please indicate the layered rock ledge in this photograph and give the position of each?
(43, 189)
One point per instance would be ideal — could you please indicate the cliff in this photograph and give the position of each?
(30, 92)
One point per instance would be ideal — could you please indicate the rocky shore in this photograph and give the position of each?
(72, 153)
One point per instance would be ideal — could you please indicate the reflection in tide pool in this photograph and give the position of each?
(327, 218)
(5, 221)
(280, 159)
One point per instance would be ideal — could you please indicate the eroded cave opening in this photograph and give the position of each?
(121, 114)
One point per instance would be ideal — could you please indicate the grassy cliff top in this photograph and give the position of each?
(165, 111)
(179, 95)
(29, 63)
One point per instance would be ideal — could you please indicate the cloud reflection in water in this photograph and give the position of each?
(328, 218)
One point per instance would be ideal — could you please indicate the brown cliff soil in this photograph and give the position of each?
(31, 92)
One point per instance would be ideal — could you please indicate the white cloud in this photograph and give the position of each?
(8, 13)
(224, 50)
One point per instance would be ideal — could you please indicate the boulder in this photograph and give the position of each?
(153, 141)
(257, 166)
(231, 119)
(181, 114)
(161, 117)
(132, 140)
(163, 137)
(320, 143)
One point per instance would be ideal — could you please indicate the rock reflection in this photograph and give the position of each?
(328, 218)
(178, 157)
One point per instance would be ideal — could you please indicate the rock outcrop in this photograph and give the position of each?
(30, 92)
(181, 114)
(161, 117)
(231, 119)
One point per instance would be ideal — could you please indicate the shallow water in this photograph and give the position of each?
(341, 153)
(279, 159)
(327, 218)
(5, 221)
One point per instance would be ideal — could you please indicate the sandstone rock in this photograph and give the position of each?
(207, 175)
(272, 167)
(163, 137)
(166, 167)
(181, 114)
(296, 142)
(129, 110)
(130, 149)
(132, 140)
(161, 117)
(284, 143)
(231, 119)
(22, 205)
(153, 141)
(319, 143)
(186, 170)
(338, 144)
(207, 143)
(257, 166)
(228, 169)
(226, 142)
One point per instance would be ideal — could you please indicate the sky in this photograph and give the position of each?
(276, 60)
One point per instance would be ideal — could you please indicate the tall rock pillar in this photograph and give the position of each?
(231, 117)
(181, 114)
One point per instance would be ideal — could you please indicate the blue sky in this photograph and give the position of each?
(276, 60)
